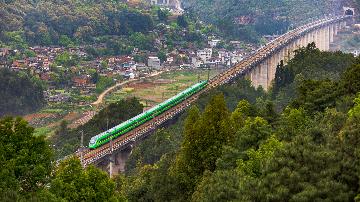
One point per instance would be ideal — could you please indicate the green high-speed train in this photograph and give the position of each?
(134, 122)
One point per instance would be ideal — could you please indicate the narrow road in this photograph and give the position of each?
(103, 94)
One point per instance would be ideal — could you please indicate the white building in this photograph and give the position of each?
(154, 62)
(214, 42)
(205, 54)
(236, 57)
(224, 55)
(214, 62)
(169, 59)
(196, 62)
(140, 66)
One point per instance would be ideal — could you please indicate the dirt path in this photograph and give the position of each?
(103, 94)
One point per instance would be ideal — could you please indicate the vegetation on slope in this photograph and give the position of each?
(20, 94)
(67, 141)
(259, 17)
(307, 151)
(104, 27)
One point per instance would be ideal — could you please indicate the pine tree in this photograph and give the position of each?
(204, 138)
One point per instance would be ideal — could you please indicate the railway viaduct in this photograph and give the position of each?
(260, 67)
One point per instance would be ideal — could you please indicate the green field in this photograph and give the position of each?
(157, 89)
(150, 91)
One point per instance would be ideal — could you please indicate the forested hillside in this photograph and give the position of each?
(304, 151)
(106, 27)
(20, 93)
(66, 22)
(248, 19)
(236, 144)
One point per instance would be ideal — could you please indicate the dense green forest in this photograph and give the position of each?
(122, 27)
(20, 93)
(65, 22)
(93, 24)
(261, 150)
(236, 144)
(262, 16)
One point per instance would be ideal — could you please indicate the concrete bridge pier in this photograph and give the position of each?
(327, 38)
(264, 73)
(274, 61)
(336, 29)
(115, 162)
(292, 49)
(331, 33)
(259, 74)
(308, 38)
(313, 37)
(320, 39)
(302, 41)
(286, 55)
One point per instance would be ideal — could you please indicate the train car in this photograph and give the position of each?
(140, 119)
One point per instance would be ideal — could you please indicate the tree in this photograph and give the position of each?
(25, 160)
(103, 83)
(292, 122)
(162, 55)
(315, 96)
(350, 82)
(20, 94)
(67, 60)
(29, 53)
(163, 14)
(65, 41)
(73, 183)
(204, 139)
(255, 131)
(303, 171)
(243, 110)
(152, 149)
(218, 186)
(258, 159)
(182, 21)
(110, 116)
(349, 149)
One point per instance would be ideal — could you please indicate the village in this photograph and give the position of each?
(43, 63)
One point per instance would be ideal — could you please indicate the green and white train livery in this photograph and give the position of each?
(134, 122)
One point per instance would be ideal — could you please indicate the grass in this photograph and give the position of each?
(43, 131)
(149, 96)
(156, 93)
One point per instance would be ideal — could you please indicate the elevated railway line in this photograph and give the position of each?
(242, 68)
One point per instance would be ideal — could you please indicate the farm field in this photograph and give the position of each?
(150, 91)
(157, 89)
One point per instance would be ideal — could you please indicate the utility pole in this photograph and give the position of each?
(82, 148)
(208, 73)
(111, 150)
(107, 123)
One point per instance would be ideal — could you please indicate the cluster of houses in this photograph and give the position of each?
(124, 66)
(53, 96)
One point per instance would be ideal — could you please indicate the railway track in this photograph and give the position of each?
(242, 68)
